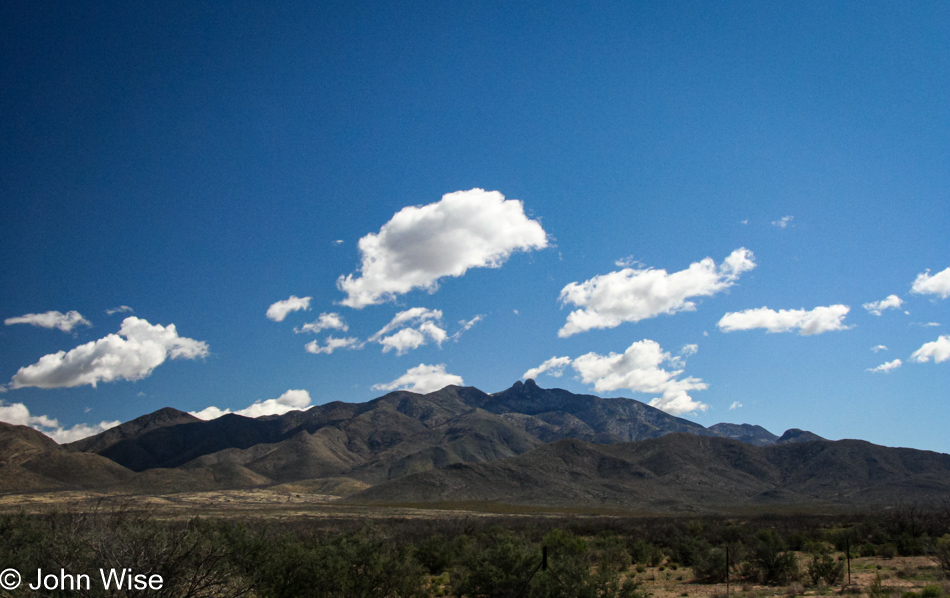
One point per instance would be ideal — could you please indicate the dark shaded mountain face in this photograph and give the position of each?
(397, 434)
(521, 442)
(681, 472)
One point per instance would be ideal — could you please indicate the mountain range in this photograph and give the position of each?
(524, 445)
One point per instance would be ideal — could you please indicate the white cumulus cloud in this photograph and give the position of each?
(278, 311)
(816, 321)
(19, 415)
(639, 370)
(422, 244)
(887, 366)
(938, 350)
(632, 294)
(938, 284)
(876, 307)
(138, 348)
(51, 319)
(552, 367)
(410, 329)
(332, 344)
(325, 321)
(422, 379)
(292, 400)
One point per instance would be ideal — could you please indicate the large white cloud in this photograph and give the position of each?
(887, 366)
(938, 284)
(422, 379)
(51, 319)
(639, 369)
(332, 344)
(938, 350)
(19, 415)
(876, 307)
(411, 329)
(132, 354)
(278, 311)
(325, 321)
(421, 244)
(553, 367)
(292, 400)
(631, 294)
(819, 320)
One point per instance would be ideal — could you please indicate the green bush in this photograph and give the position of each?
(823, 568)
(940, 552)
(501, 566)
(771, 562)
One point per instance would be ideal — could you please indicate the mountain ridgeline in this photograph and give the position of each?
(523, 445)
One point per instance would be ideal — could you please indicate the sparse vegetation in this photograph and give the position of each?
(487, 555)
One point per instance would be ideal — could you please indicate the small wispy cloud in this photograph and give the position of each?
(279, 310)
(553, 367)
(878, 348)
(876, 307)
(122, 309)
(51, 319)
(783, 222)
(735, 405)
(466, 325)
(411, 329)
(332, 344)
(325, 321)
(887, 367)
(816, 321)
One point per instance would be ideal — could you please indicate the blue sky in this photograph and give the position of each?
(687, 203)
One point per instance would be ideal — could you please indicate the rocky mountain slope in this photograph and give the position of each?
(525, 445)
(683, 472)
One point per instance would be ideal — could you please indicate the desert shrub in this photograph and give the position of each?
(771, 562)
(908, 545)
(502, 565)
(644, 552)
(610, 553)
(876, 589)
(437, 553)
(710, 566)
(355, 564)
(940, 552)
(195, 559)
(931, 591)
(823, 568)
(569, 571)
(887, 551)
